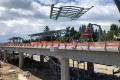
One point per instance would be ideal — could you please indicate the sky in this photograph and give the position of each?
(24, 17)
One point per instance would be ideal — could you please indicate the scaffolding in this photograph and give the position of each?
(72, 12)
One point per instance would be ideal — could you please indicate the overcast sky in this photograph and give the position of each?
(24, 17)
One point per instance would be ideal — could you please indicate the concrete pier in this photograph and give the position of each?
(65, 75)
(21, 59)
(5, 55)
(42, 58)
(90, 67)
(0, 54)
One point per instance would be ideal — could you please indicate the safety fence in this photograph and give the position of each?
(91, 46)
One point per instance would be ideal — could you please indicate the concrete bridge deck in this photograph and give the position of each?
(106, 53)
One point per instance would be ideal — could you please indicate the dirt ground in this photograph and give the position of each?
(10, 72)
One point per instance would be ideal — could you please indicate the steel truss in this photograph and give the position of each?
(72, 12)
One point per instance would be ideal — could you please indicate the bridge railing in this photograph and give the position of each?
(91, 46)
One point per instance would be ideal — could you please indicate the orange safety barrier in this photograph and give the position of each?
(62, 44)
(96, 44)
(39, 44)
(49, 43)
(109, 46)
(82, 44)
(44, 43)
(71, 44)
(114, 44)
(56, 44)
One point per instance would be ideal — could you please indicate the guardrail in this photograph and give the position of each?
(91, 46)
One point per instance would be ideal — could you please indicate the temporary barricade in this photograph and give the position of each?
(49, 44)
(62, 46)
(56, 44)
(71, 46)
(97, 46)
(39, 44)
(82, 46)
(21, 44)
(44, 44)
(113, 46)
(92, 46)
(27, 45)
(33, 44)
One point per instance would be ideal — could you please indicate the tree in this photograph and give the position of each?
(95, 35)
(73, 33)
(83, 28)
(119, 30)
(46, 38)
(113, 31)
(46, 29)
(80, 29)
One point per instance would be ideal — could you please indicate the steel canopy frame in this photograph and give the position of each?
(72, 12)
(49, 33)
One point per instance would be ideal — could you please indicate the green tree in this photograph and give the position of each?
(46, 29)
(83, 28)
(113, 31)
(95, 35)
(73, 33)
(119, 30)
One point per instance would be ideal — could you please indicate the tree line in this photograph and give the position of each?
(70, 34)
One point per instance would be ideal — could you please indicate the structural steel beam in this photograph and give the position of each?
(72, 12)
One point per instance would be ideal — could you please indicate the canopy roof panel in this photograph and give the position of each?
(49, 33)
(15, 38)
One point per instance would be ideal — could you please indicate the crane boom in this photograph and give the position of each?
(117, 2)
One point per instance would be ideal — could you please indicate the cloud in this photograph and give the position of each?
(24, 17)
(23, 4)
(2, 33)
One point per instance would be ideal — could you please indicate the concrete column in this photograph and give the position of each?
(73, 64)
(65, 69)
(5, 55)
(21, 60)
(41, 58)
(90, 67)
(13, 57)
(32, 57)
(0, 54)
